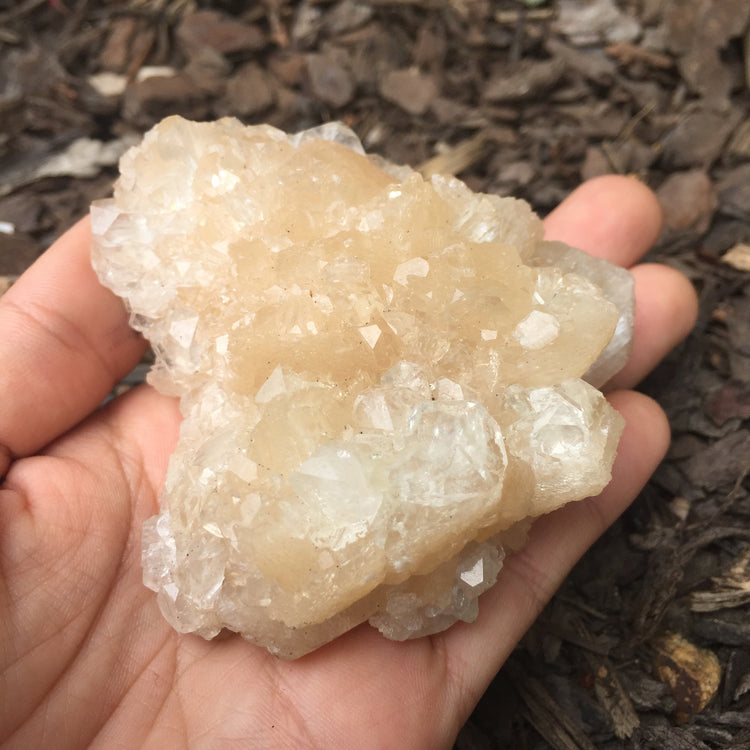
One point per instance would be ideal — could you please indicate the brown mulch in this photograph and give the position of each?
(647, 644)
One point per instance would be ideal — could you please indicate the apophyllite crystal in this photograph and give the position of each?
(382, 379)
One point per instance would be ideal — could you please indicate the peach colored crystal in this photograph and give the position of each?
(381, 377)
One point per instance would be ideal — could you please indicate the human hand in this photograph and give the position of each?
(86, 659)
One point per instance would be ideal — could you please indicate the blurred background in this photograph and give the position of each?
(647, 644)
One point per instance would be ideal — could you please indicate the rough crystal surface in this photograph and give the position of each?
(381, 379)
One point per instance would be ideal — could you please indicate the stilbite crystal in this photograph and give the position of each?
(380, 377)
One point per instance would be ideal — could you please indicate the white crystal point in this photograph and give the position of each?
(380, 378)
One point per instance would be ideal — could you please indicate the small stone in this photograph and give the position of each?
(381, 378)
(409, 89)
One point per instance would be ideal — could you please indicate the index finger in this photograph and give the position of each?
(64, 342)
(599, 219)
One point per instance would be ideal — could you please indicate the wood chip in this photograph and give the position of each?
(627, 53)
(409, 89)
(738, 257)
(731, 401)
(330, 79)
(525, 81)
(454, 160)
(615, 700)
(732, 589)
(692, 673)
(548, 718)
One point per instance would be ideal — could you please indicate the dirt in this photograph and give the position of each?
(647, 643)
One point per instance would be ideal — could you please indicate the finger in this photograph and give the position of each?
(145, 424)
(531, 576)
(612, 217)
(618, 218)
(666, 309)
(65, 342)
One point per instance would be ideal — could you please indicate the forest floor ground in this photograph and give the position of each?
(517, 99)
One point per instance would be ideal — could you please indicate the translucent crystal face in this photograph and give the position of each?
(380, 378)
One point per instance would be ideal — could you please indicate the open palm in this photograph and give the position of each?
(85, 656)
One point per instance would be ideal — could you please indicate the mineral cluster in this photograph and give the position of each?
(382, 379)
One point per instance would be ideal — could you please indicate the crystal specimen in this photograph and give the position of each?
(380, 378)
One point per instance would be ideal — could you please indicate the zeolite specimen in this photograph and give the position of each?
(381, 379)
